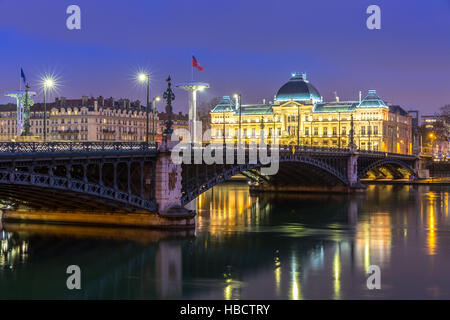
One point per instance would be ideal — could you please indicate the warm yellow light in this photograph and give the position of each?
(157, 98)
(431, 135)
(49, 82)
(142, 77)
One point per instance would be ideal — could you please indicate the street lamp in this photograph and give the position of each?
(157, 98)
(339, 130)
(298, 125)
(48, 83)
(238, 98)
(432, 138)
(192, 88)
(145, 77)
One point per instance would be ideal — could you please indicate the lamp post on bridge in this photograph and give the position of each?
(339, 130)
(192, 88)
(261, 132)
(48, 83)
(145, 77)
(157, 98)
(352, 134)
(223, 130)
(298, 125)
(238, 98)
(169, 96)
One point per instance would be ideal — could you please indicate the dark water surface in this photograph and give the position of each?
(248, 247)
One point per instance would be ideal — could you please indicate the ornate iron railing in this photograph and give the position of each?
(44, 147)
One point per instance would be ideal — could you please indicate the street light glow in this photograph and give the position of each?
(49, 82)
(142, 77)
(157, 98)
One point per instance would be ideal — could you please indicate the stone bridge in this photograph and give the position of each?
(141, 177)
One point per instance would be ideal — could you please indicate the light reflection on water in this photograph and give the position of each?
(248, 247)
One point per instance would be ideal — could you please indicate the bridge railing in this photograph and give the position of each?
(313, 149)
(44, 147)
(387, 154)
(281, 147)
(306, 148)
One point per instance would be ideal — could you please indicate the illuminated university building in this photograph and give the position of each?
(298, 115)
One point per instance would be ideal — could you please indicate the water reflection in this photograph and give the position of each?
(247, 246)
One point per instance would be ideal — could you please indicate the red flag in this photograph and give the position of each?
(196, 65)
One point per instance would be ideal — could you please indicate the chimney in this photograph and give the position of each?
(336, 96)
(360, 96)
(84, 100)
(101, 101)
(95, 105)
(264, 101)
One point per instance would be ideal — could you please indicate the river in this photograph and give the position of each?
(285, 246)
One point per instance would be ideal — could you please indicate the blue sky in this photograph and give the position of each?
(246, 46)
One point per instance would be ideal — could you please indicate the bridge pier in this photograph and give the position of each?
(352, 174)
(168, 187)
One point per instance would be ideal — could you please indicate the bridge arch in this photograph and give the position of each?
(32, 188)
(198, 179)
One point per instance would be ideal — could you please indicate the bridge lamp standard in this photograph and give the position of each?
(47, 83)
(298, 125)
(144, 77)
(192, 88)
(154, 100)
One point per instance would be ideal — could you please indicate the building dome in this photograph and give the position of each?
(372, 100)
(298, 89)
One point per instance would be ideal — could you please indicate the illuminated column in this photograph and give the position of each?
(192, 88)
(20, 101)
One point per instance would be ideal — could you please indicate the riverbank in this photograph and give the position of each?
(444, 181)
(143, 220)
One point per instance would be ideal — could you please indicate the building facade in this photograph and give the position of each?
(86, 119)
(180, 125)
(298, 115)
(433, 139)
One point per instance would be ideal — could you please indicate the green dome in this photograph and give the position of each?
(298, 89)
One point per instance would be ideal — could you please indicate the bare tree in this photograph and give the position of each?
(442, 126)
